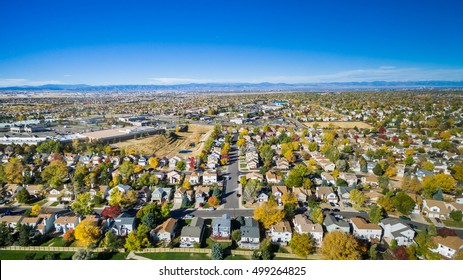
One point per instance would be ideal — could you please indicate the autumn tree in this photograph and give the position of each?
(301, 244)
(153, 162)
(432, 182)
(83, 204)
(87, 232)
(22, 196)
(338, 245)
(55, 173)
(411, 184)
(181, 165)
(186, 185)
(429, 166)
(213, 201)
(357, 197)
(289, 155)
(295, 177)
(268, 213)
(138, 239)
(386, 203)
(111, 211)
(317, 215)
(35, 211)
(13, 171)
(289, 198)
(112, 241)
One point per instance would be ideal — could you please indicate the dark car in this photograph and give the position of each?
(238, 195)
(405, 218)
(335, 210)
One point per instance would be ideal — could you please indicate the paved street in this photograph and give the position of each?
(231, 186)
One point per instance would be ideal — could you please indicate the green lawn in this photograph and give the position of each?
(111, 256)
(237, 258)
(54, 204)
(55, 242)
(224, 245)
(176, 256)
(452, 223)
(23, 255)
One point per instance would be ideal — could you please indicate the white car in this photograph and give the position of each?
(210, 209)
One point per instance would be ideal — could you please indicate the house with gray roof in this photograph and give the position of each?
(123, 224)
(161, 194)
(396, 230)
(193, 233)
(221, 227)
(332, 224)
(250, 234)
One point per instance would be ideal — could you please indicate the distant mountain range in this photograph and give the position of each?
(245, 87)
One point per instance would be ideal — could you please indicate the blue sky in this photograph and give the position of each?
(171, 42)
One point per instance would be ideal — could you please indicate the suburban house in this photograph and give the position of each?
(254, 176)
(364, 230)
(280, 232)
(396, 230)
(447, 246)
(11, 221)
(331, 224)
(250, 234)
(161, 194)
(278, 192)
(435, 209)
(302, 194)
(282, 163)
(272, 178)
(209, 177)
(372, 196)
(121, 188)
(221, 227)
(371, 180)
(351, 179)
(12, 189)
(32, 222)
(166, 230)
(202, 194)
(326, 193)
(194, 178)
(328, 178)
(34, 189)
(103, 189)
(173, 162)
(123, 224)
(262, 197)
(173, 177)
(302, 225)
(193, 233)
(344, 193)
(47, 223)
(65, 223)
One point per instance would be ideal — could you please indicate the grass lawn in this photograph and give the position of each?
(243, 166)
(54, 242)
(176, 256)
(111, 256)
(54, 204)
(21, 255)
(224, 245)
(237, 258)
(452, 223)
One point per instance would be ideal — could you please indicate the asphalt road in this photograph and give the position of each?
(231, 187)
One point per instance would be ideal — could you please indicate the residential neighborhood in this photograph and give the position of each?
(279, 174)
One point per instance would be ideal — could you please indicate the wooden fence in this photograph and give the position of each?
(53, 249)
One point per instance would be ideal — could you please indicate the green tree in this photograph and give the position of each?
(386, 203)
(236, 235)
(378, 170)
(112, 241)
(181, 165)
(301, 244)
(6, 239)
(55, 173)
(22, 196)
(83, 204)
(403, 202)
(126, 169)
(375, 214)
(83, 254)
(456, 215)
(137, 239)
(25, 235)
(217, 252)
(409, 160)
(296, 176)
(429, 166)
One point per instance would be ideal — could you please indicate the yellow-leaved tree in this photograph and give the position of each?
(268, 213)
(153, 162)
(338, 245)
(87, 232)
(35, 211)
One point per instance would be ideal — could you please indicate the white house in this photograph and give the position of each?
(209, 177)
(447, 246)
(398, 231)
(65, 223)
(435, 209)
(173, 177)
(326, 193)
(280, 232)
(166, 230)
(364, 230)
(302, 225)
(121, 188)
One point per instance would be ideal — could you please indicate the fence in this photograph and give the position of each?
(53, 249)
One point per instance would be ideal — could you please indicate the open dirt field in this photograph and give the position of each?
(162, 145)
(359, 125)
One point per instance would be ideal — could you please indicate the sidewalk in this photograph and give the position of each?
(132, 256)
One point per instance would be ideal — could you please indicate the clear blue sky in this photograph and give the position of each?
(168, 42)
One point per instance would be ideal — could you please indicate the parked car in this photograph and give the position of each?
(189, 216)
(406, 218)
(211, 209)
